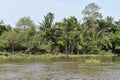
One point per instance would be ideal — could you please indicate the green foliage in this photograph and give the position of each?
(91, 12)
(25, 22)
(94, 35)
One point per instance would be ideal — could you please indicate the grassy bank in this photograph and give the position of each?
(29, 56)
(48, 56)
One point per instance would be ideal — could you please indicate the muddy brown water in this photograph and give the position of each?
(60, 69)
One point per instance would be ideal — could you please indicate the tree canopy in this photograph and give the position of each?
(94, 35)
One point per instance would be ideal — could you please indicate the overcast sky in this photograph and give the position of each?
(12, 10)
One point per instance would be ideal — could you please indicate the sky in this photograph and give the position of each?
(12, 10)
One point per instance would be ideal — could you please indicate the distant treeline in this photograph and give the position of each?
(93, 35)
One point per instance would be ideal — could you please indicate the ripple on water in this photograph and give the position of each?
(59, 71)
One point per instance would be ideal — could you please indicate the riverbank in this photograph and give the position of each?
(48, 55)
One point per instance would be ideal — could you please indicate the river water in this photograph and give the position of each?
(61, 69)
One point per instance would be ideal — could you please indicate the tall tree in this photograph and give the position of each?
(91, 32)
(47, 27)
(91, 14)
(27, 27)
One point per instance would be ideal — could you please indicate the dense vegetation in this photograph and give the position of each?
(91, 35)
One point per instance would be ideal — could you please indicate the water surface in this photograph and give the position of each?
(61, 69)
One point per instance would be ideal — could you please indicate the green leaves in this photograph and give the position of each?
(91, 12)
(93, 35)
(25, 22)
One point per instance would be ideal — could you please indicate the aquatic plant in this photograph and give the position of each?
(92, 60)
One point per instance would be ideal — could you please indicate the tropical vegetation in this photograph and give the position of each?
(91, 35)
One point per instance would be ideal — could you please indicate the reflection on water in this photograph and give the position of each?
(60, 69)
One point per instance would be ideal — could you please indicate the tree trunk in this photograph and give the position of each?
(12, 47)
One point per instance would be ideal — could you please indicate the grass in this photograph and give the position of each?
(30, 56)
(92, 55)
(48, 56)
